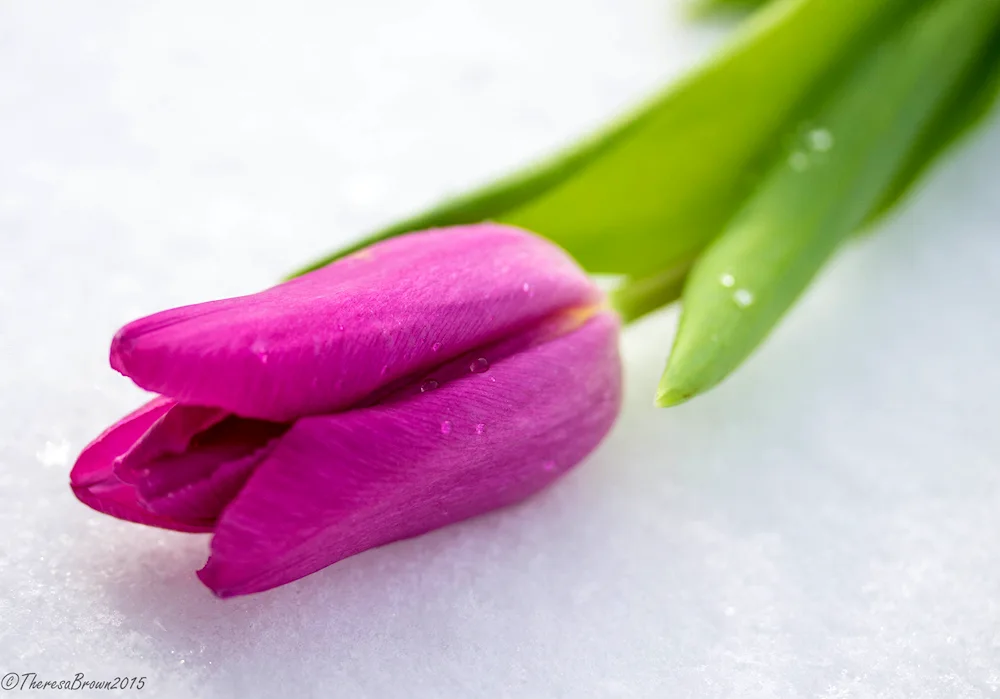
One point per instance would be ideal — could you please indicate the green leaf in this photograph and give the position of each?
(701, 8)
(653, 189)
(973, 102)
(657, 198)
(828, 181)
(970, 105)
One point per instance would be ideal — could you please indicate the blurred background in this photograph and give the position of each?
(822, 525)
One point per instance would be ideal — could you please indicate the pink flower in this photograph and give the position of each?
(425, 380)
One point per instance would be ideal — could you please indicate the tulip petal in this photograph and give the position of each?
(339, 484)
(170, 434)
(96, 462)
(93, 480)
(324, 341)
(194, 485)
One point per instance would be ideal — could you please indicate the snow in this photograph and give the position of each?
(824, 524)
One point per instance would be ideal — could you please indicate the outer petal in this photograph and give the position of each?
(96, 462)
(93, 480)
(324, 341)
(340, 484)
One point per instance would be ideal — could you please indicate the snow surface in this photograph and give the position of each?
(825, 524)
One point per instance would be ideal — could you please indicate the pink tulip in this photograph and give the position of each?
(430, 378)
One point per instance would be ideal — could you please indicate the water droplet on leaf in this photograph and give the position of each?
(820, 140)
(742, 297)
(727, 280)
(798, 161)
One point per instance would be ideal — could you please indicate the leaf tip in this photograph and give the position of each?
(669, 396)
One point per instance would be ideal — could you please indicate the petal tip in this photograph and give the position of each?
(214, 579)
(121, 349)
(208, 580)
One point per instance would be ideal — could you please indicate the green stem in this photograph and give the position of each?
(638, 297)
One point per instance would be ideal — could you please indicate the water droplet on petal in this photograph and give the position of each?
(493, 379)
(428, 386)
(480, 428)
(435, 347)
(820, 140)
(727, 280)
(340, 327)
(742, 297)
(446, 427)
(549, 465)
(479, 366)
(260, 350)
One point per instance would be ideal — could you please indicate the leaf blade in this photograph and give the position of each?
(972, 103)
(745, 281)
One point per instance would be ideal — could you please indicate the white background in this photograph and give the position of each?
(825, 524)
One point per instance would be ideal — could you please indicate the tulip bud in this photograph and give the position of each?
(422, 381)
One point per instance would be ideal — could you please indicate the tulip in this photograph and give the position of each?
(422, 381)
